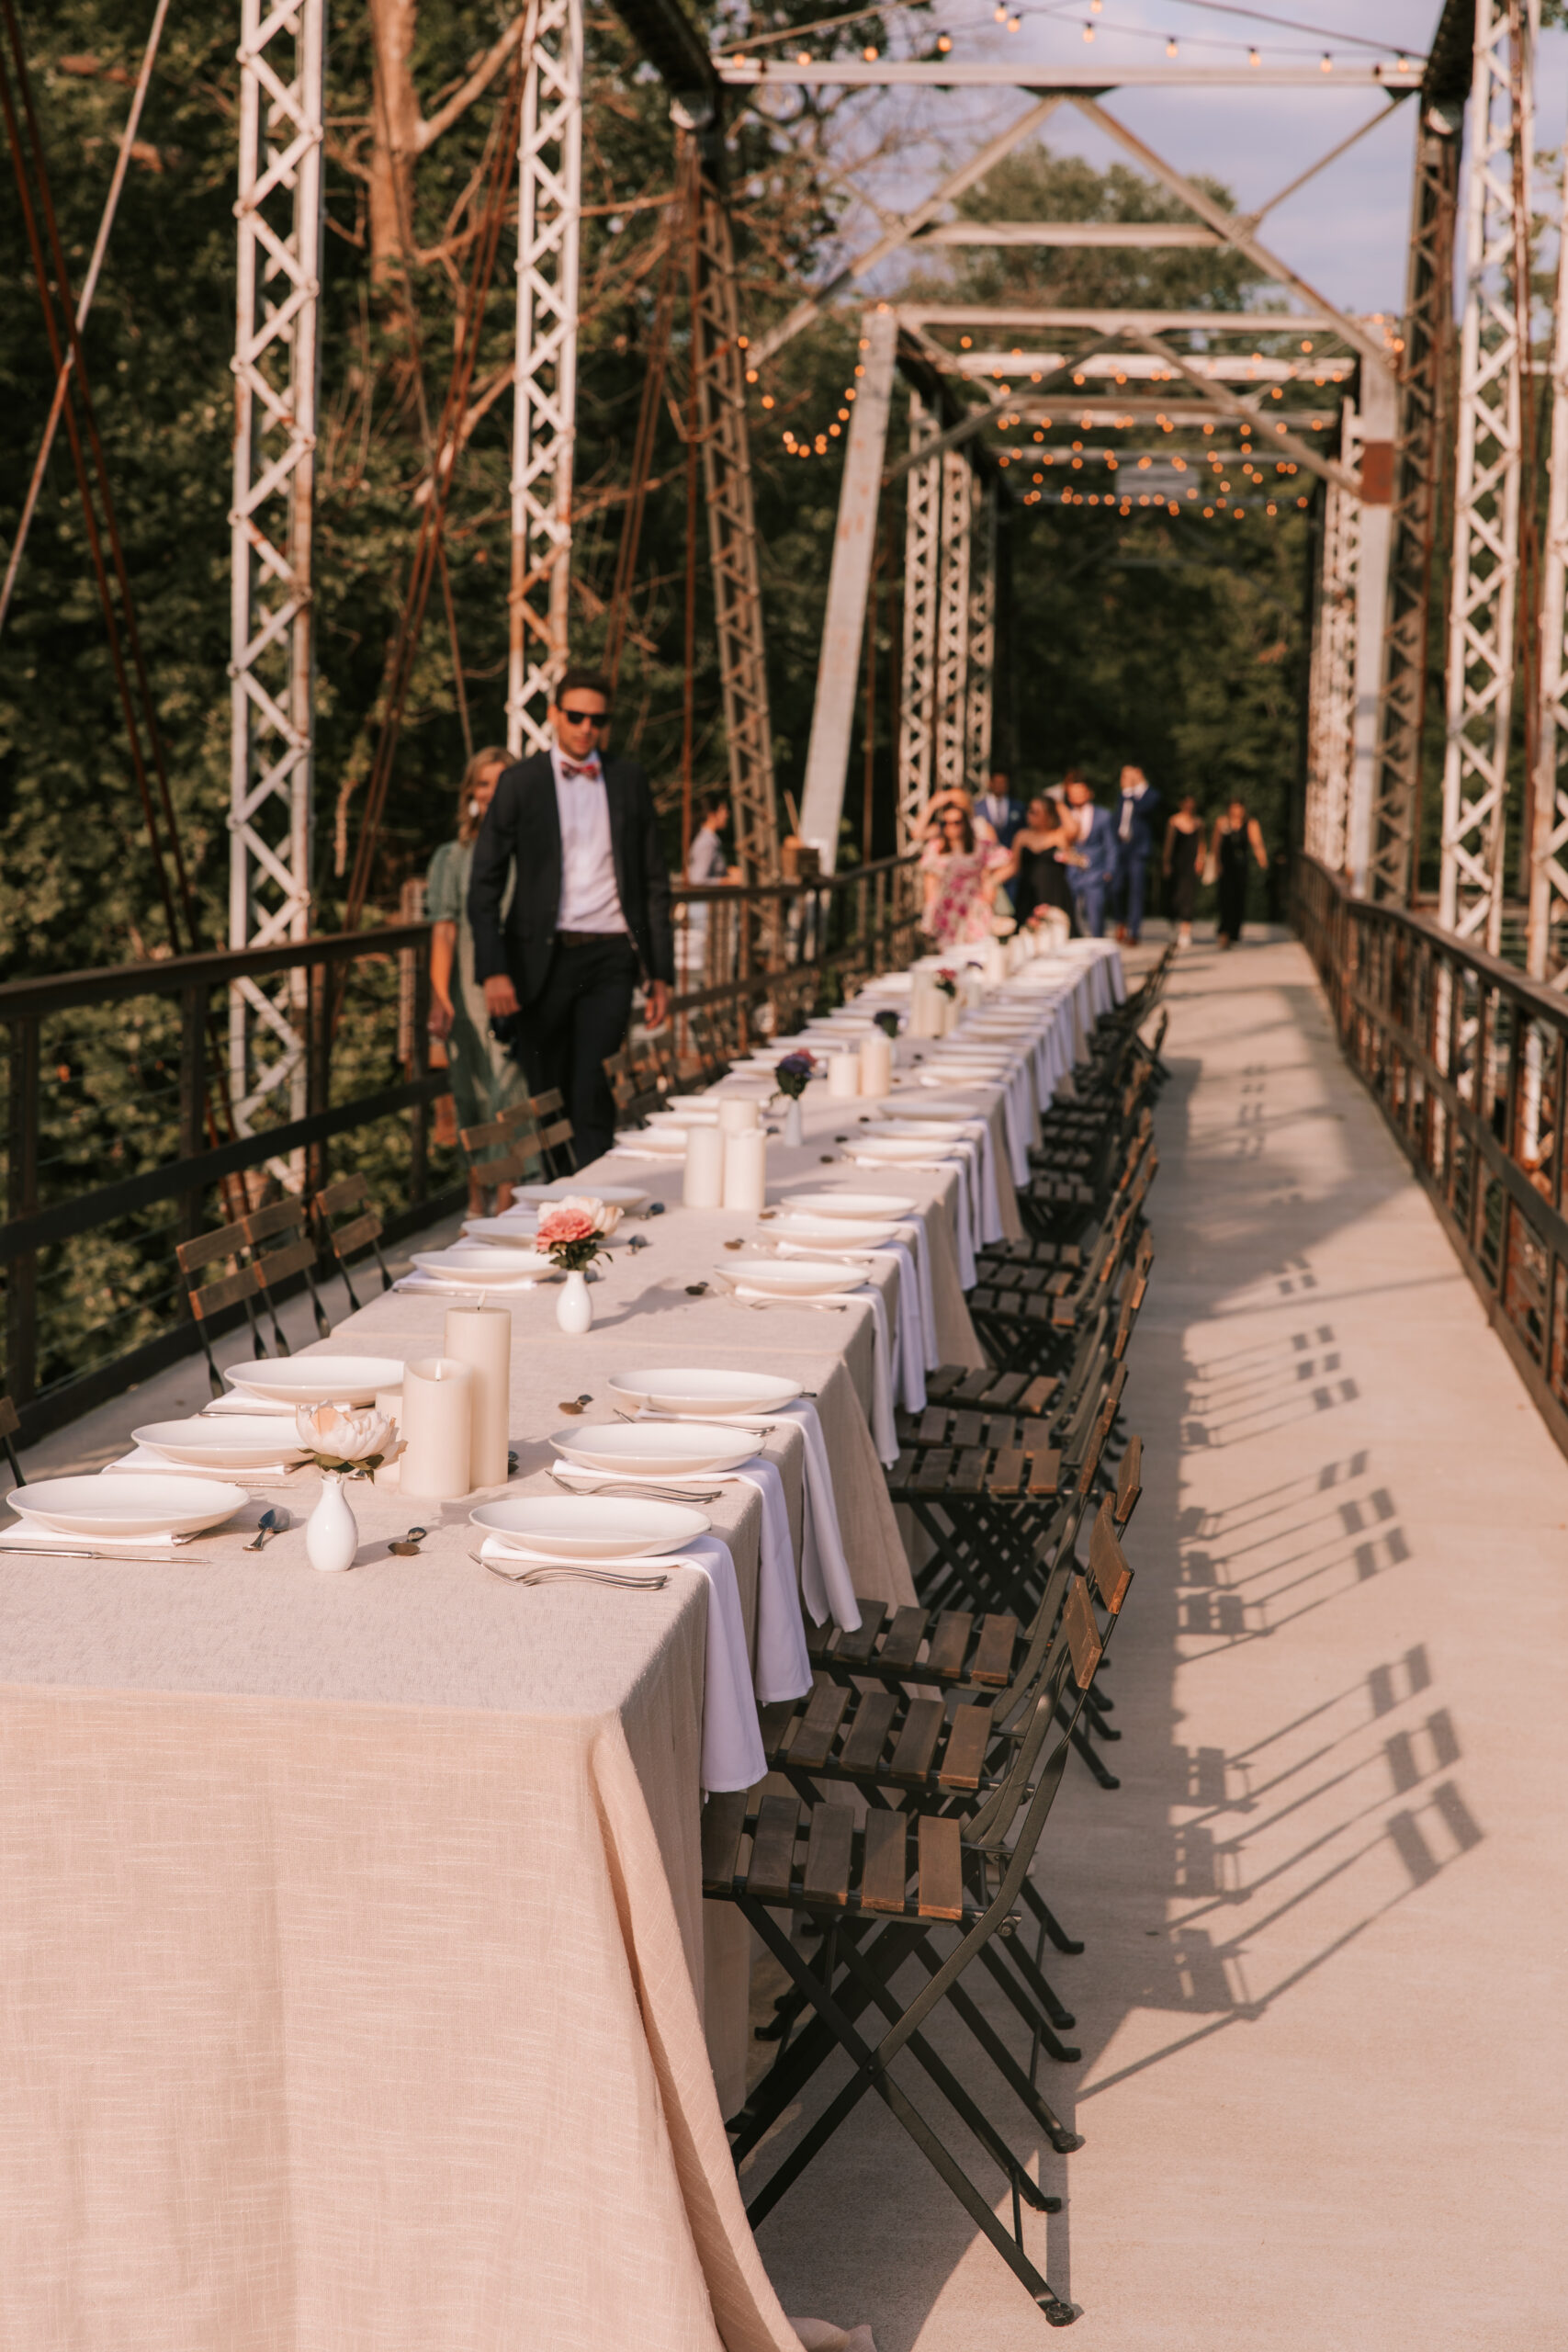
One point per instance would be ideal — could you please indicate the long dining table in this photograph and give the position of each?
(358, 1989)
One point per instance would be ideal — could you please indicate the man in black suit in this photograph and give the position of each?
(590, 908)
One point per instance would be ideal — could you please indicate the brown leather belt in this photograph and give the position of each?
(590, 938)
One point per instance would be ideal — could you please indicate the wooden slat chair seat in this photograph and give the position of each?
(555, 1135)
(883, 1895)
(241, 1285)
(641, 1078)
(10, 1422)
(348, 1199)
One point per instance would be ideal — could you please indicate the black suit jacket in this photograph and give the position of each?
(522, 824)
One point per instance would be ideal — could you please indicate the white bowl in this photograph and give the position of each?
(857, 1207)
(590, 1527)
(233, 1441)
(484, 1262)
(317, 1379)
(699, 1393)
(633, 1449)
(797, 1277)
(630, 1197)
(127, 1503)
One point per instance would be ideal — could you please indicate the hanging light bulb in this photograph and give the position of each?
(803, 57)
(1327, 64)
(1089, 32)
(1253, 58)
(870, 55)
(999, 12)
(1013, 23)
(944, 42)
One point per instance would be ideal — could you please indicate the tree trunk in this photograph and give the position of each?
(394, 25)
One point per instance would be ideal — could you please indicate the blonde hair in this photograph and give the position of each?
(494, 755)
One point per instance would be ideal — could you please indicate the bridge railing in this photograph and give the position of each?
(1468, 1060)
(118, 1141)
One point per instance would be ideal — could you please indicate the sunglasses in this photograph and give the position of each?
(586, 717)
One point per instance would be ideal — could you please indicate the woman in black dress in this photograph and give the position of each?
(1183, 856)
(1237, 837)
(1040, 879)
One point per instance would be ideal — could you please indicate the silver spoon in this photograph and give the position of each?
(271, 1522)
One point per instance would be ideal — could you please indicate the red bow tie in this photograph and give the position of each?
(569, 767)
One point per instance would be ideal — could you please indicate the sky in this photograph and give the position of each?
(1346, 232)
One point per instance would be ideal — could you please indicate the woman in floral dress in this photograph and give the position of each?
(962, 878)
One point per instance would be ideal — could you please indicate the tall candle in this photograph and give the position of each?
(877, 1064)
(922, 1004)
(437, 1421)
(704, 1187)
(480, 1337)
(844, 1077)
(737, 1113)
(746, 1171)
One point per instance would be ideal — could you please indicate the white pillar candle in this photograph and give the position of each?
(877, 1064)
(480, 1337)
(844, 1077)
(746, 1171)
(437, 1418)
(922, 1004)
(704, 1186)
(737, 1115)
(996, 962)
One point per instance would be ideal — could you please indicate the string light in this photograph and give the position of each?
(1327, 64)
(1171, 46)
(1253, 58)
(944, 42)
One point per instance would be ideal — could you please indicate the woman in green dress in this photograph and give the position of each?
(485, 1079)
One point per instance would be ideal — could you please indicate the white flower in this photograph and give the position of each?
(605, 1215)
(337, 1434)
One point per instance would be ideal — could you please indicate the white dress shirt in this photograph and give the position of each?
(1131, 795)
(589, 899)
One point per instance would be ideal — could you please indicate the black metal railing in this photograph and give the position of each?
(1468, 1060)
(120, 1141)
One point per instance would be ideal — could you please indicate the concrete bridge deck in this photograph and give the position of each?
(1323, 2086)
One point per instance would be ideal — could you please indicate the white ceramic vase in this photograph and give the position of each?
(574, 1307)
(793, 1135)
(332, 1531)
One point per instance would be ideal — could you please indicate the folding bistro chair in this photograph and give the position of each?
(361, 1232)
(226, 1245)
(878, 1895)
(555, 1132)
(505, 1150)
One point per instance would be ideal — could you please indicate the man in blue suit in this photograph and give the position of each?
(1134, 822)
(1001, 811)
(1096, 848)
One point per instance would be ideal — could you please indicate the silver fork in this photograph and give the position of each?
(548, 1573)
(647, 1494)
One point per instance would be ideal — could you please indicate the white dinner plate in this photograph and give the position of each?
(591, 1527)
(695, 1393)
(630, 1197)
(687, 1114)
(832, 1232)
(237, 1441)
(484, 1262)
(911, 1108)
(127, 1503)
(633, 1449)
(796, 1277)
(317, 1379)
(859, 1206)
(893, 1148)
(667, 1143)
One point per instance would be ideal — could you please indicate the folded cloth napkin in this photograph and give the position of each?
(783, 1671)
(732, 1754)
(236, 1401)
(884, 1433)
(142, 1457)
(475, 1289)
(963, 1224)
(911, 1342)
(913, 1231)
(27, 1535)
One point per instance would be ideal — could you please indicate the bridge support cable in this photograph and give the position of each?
(1484, 582)
(544, 430)
(1394, 843)
(922, 536)
(277, 365)
(849, 586)
(982, 635)
(1546, 936)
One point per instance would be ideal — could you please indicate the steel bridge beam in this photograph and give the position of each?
(272, 658)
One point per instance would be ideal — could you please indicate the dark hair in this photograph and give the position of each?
(591, 681)
(1075, 776)
(713, 802)
(963, 816)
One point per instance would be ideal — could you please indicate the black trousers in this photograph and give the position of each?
(578, 1019)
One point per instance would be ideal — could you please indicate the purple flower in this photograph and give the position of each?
(793, 1074)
